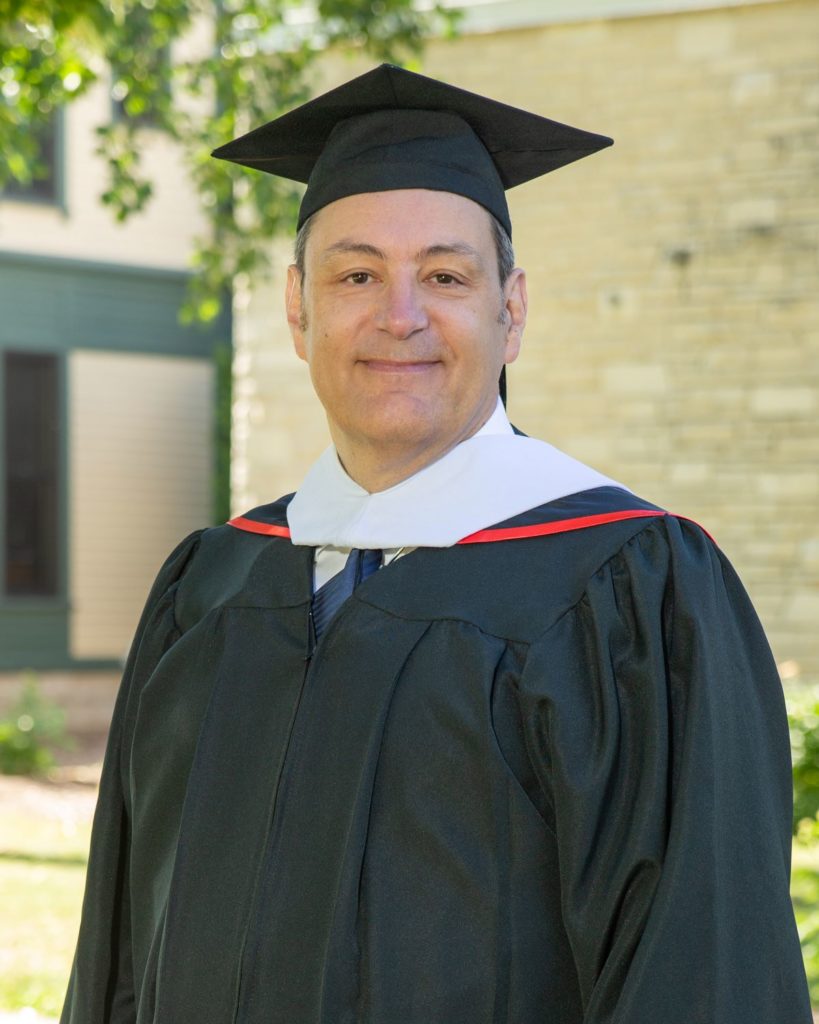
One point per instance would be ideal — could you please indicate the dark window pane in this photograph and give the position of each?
(146, 119)
(31, 462)
(150, 67)
(44, 186)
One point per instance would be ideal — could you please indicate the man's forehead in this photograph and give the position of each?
(352, 246)
(413, 220)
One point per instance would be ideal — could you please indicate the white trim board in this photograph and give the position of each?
(301, 21)
(494, 15)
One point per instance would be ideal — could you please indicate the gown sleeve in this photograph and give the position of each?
(101, 985)
(656, 722)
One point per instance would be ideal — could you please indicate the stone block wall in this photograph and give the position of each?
(673, 339)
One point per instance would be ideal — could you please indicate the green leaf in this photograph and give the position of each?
(55, 49)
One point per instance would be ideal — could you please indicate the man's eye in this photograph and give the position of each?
(445, 279)
(359, 277)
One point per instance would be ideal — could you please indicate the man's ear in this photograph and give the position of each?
(515, 305)
(295, 312)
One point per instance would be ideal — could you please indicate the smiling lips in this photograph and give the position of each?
(399, 366)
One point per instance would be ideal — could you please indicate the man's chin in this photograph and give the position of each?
(396, 424)
(414, 435)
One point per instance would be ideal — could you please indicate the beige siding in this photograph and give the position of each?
(140, 479)
(160, 236)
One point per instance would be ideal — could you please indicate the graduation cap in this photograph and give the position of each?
(394, 129)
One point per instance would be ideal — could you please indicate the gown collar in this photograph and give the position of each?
(490, 477)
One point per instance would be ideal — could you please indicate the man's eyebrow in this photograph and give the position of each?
(348, 246)
(451, 249)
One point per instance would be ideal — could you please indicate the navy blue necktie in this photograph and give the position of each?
(331, 596)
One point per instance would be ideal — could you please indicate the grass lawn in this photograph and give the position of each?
(805, 895)
(43, 852)
(43, 849)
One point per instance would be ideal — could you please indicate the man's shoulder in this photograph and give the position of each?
(594, 506)
(265, 520)
(555, 554)
(247, 562)
(268, 520)
(588, 529)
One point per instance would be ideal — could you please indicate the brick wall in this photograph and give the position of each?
(673, 339)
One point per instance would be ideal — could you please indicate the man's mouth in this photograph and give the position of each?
(400, 365)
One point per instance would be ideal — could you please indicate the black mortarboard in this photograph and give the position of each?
(392, 129)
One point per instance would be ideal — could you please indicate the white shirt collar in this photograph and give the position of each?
(490, 477)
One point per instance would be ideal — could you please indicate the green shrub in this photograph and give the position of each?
(803, 719)
(29, 734)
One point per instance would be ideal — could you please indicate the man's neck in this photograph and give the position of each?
(377, 467)
(379, 470)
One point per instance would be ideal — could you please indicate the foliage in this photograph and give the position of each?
(257, 65)
(222, 357)
(805, 897)
(28, 736)
(803, 719)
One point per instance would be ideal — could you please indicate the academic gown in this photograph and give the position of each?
(541, 777)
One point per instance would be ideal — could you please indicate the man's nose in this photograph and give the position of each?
(401, 310)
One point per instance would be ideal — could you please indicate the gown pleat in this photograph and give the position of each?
(538, 780)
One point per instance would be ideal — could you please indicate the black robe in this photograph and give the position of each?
(543, 780)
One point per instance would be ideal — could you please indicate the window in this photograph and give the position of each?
(45, 186)
(140, 77)
(31, 412)
(148, 115)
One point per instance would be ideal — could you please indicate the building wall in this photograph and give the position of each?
(136, 389)
(81, 227)
(136, 469)
(134, 417)
(673, 339)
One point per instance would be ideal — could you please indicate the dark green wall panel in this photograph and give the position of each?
(57, 305)
(32, 636)
(66, 304)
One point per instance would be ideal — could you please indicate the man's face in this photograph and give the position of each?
(403, 320)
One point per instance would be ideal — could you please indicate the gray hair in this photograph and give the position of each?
(301, 246)
(504, 252)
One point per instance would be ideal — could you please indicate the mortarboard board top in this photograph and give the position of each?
(391, 128)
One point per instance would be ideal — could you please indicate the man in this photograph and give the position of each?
(463, 732)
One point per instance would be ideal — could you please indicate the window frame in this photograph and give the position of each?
(58, 598)
(148, 120)
(19, 193)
